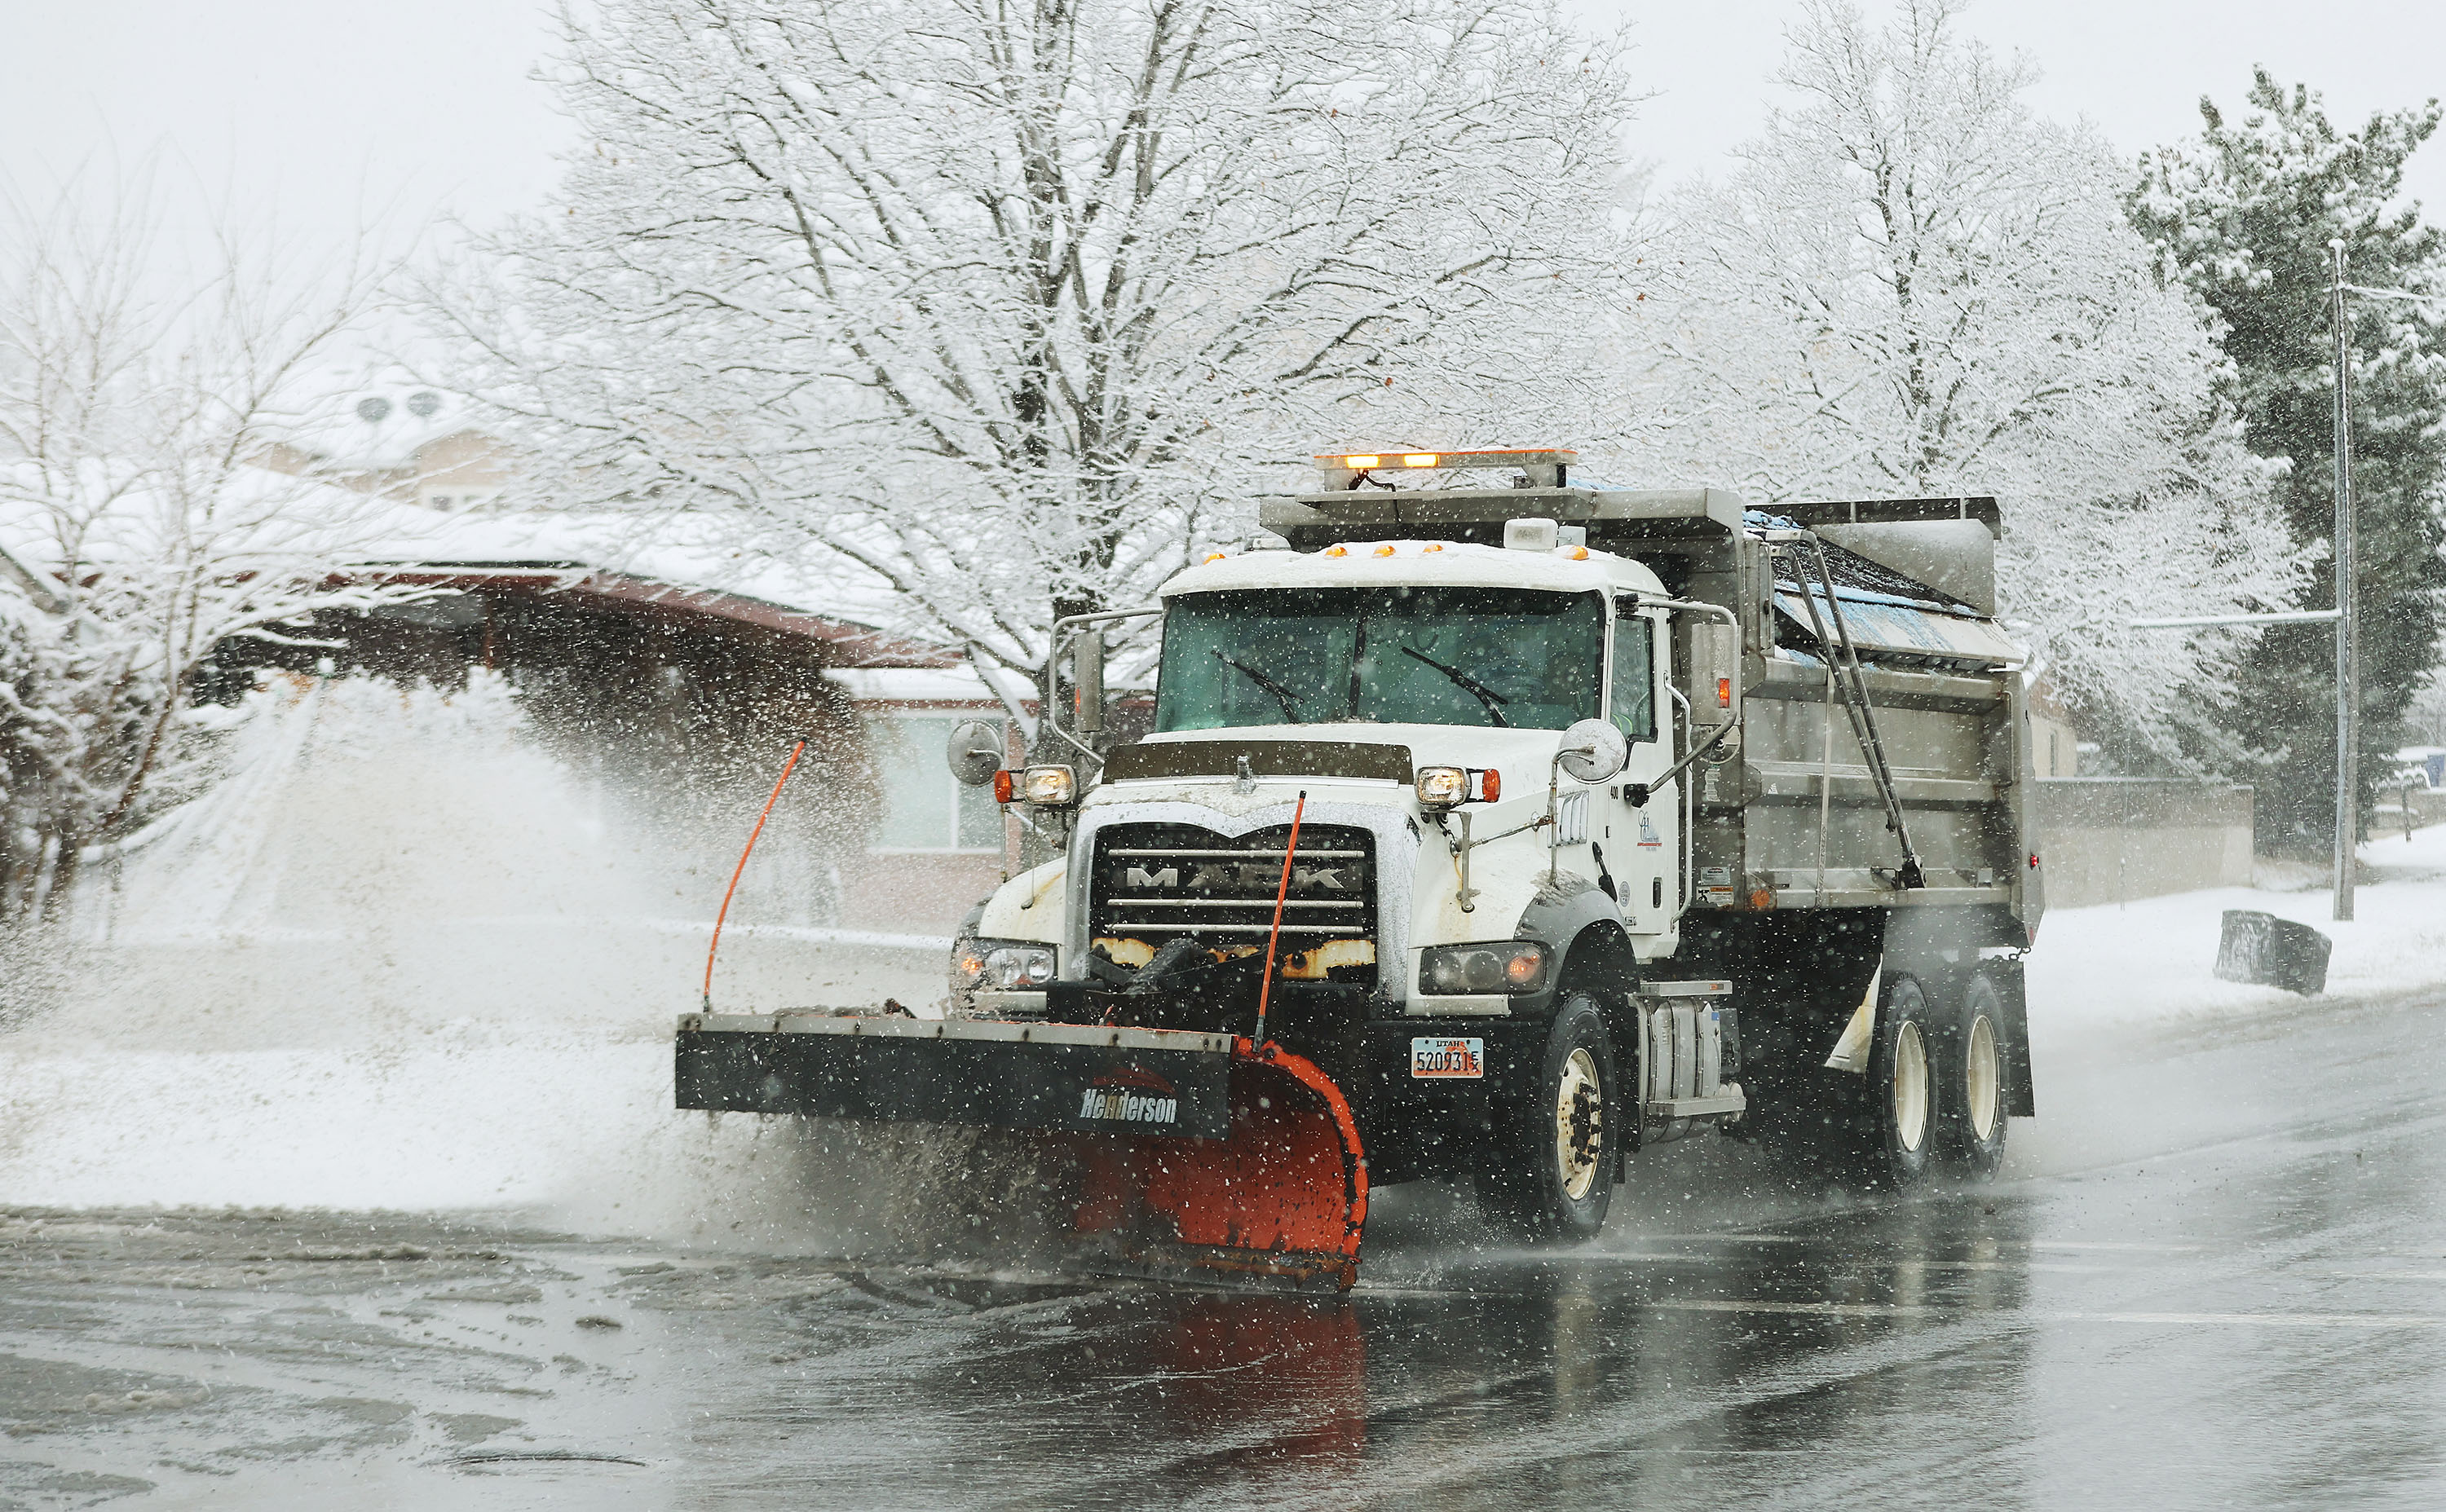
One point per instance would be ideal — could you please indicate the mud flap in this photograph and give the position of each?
(1282, 1198)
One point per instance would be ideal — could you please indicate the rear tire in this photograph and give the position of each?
(1974, 1120)
(1549, 1172)
(1903, 1086)
(1884, 1122)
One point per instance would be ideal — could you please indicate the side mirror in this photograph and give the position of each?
(976, 752)
(1592, 751)
(1715, 682)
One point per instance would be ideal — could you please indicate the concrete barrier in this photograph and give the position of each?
(2113, 839)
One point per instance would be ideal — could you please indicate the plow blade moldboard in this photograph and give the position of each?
(1197, 1153)
(1282, 1199)
(1001, 1075)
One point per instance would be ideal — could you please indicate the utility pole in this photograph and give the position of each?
(2348, 672)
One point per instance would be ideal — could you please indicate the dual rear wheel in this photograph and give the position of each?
(1935, 1088)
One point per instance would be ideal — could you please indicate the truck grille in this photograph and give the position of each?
(1155, 883)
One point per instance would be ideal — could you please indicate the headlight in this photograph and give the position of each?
(1504, 965)
(1443, 787)
(1001, 965)
(1051, 786)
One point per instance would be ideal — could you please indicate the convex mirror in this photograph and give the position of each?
(1592, 751)
(976, 752)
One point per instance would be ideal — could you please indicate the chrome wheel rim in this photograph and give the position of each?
(1911, 1086)
(1982, 1078)
(1579, 1124)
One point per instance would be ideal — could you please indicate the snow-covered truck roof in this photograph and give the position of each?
(1419, 563)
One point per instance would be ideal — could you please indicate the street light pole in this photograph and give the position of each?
(2348, 808)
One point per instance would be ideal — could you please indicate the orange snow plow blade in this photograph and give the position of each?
(1197, 1152)
(1282, 1197)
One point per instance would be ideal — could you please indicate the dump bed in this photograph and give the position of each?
(1794, 813)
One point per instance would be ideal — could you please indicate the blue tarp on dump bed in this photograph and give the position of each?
(1880, 623)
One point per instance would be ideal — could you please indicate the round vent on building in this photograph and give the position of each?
(373, 410)
(423, 402)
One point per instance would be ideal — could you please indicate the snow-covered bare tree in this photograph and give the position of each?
(137, 529)
(1010, 304)
(1912, 286)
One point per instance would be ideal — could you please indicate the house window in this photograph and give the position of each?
(925, 807)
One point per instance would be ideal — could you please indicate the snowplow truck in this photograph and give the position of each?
(1490, 834)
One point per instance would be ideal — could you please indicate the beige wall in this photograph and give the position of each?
(2113, 839)
(908, 892)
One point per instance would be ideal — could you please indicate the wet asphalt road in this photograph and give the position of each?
(2214, 1276)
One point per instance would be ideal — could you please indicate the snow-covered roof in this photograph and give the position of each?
(272, 520)
(913, 684)
(683, 558)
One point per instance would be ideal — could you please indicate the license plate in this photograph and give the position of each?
(1434, 1059)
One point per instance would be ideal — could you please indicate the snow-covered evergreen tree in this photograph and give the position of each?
(2244, 214)
(1912, 286)
(1012, 307)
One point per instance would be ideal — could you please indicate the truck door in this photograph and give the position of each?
(1642, 845)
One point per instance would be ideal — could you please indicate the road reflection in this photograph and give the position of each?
(1635, 1371)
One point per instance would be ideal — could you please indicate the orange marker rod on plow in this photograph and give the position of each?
(1265, 987)
(738, 870)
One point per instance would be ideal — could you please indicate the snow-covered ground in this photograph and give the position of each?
(2150, 961)
(403, 960)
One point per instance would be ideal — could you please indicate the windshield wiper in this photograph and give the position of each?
(1487, 695)
(1282, 694)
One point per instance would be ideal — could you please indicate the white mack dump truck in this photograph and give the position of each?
(1489, 833)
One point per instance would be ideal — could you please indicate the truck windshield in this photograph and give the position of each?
(1521, 658)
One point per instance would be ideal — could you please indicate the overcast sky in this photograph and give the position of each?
(341, 108)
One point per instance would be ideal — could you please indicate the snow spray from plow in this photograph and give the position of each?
(1196, 1154)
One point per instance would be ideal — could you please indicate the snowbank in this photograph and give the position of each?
(405, 959)
(2150, 959)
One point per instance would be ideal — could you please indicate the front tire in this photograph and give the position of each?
(1549, 1174)
(1975, 1122)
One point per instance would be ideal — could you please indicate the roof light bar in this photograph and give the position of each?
(1368, 462)
(1546, 466)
